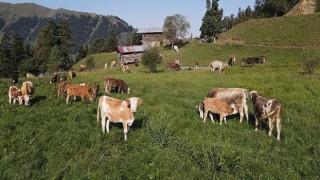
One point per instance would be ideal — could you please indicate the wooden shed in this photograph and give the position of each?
(129, 54)
(151, 37)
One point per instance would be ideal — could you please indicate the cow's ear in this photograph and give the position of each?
(140, 101)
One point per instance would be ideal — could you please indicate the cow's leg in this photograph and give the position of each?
(67, 99)
(108, 125)
(221, 119)
(225, 119)
(9, 99)
(278, 128)
(103, 124)
(241, 108)
(245, 108)
(256, 122)
(211, 117)
(270, 126)
(125, 130)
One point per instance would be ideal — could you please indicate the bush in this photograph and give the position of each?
(151, 58)
(90, 62)
(309, 65)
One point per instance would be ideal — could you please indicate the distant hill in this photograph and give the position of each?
(28, 19)
(298, 31)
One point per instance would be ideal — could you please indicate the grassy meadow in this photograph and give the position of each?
(168, 140)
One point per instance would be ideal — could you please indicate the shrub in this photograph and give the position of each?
(90, 62)
(151, 58)
(309, 65)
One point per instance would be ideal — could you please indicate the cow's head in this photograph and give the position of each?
(133, 102)
(253, 95)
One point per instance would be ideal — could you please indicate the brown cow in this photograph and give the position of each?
(62, 88)
(95, 89)
(117, 111)
(253, 60)
(174, 66)
(54, 78)
(78, 91)
(237, 96)
(265, 108)
(27, 92)
(115, 84)
(14, 94)
(232, 60)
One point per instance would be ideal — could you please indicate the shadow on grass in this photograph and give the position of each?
(37, 99)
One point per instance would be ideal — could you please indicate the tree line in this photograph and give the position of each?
(214, 23)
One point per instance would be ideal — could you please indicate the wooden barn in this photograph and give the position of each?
(130, 54)
(151, 37)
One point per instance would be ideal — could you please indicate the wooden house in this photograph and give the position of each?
(151, 37)
(129, 54)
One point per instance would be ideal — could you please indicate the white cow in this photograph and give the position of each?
(175, 48)
(218, 65)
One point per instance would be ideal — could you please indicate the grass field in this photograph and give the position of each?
(168, 140)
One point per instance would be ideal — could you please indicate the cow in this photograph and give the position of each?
(115, 84)
(14, 94)
(113, 64)
(78, 91)
(82, 68)
(95, 89)
(265, 108)
(117, 111)
(216, 106)
(232, 61)
(72, 74)
(174, 66)
(126, 68)
(238, 96)
(27, 92)
(175, 48)
(218, 65)
(54, 78)
(253, 60)
(30, 75)
(62, 88)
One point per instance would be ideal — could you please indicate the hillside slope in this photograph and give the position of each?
(27, 19)
(279, 31)
(305, 7)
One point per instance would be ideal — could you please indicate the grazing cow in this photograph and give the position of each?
(95, 89)
(54, 78)
(27, 92)
(14, 94)
(117, 111)
(174, 66)
(217, 106)
(72, 74)
(232, 60)
(115, 84)
(105, 65)
(175, 48)
(78, 91)
(265, 108)
(237, 96)
(62, 88)
(113, 64)
(218, 65)
(30, 75)
(253, 60)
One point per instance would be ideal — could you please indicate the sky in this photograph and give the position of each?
(145, 13)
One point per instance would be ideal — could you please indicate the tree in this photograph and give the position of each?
(212, 20)
(151, 58)
(5, 57)
(90, 62)
(98, 46)
(112, 42)
(175, 27)
(17, 52)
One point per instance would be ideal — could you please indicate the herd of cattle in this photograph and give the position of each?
(221, 101)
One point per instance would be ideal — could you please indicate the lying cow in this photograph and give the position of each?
(117, 111)
(174, 66)
(78, 91)
(237, 96)
(253, 60)
(265, 108)
(115, 84)
(218, 65)
(216, 106)
(27, 92)
(14, 94)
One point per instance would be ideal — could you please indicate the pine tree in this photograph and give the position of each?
(5, 57)
(212, 21)
(112, 42)
(17, 51)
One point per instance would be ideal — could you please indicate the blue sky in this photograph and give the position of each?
(145, 13)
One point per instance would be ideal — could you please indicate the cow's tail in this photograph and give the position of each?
(98, 114)
(276, 110)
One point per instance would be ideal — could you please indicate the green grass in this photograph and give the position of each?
(168, 140)
(281, 31)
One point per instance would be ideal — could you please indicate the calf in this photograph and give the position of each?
(14, 94)
(115, 84)
(27, 92)
(265, 108)
(78, 91)
(217, 106)
(117, 111)
(218, 65)
(62, 88)
(237, 96)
